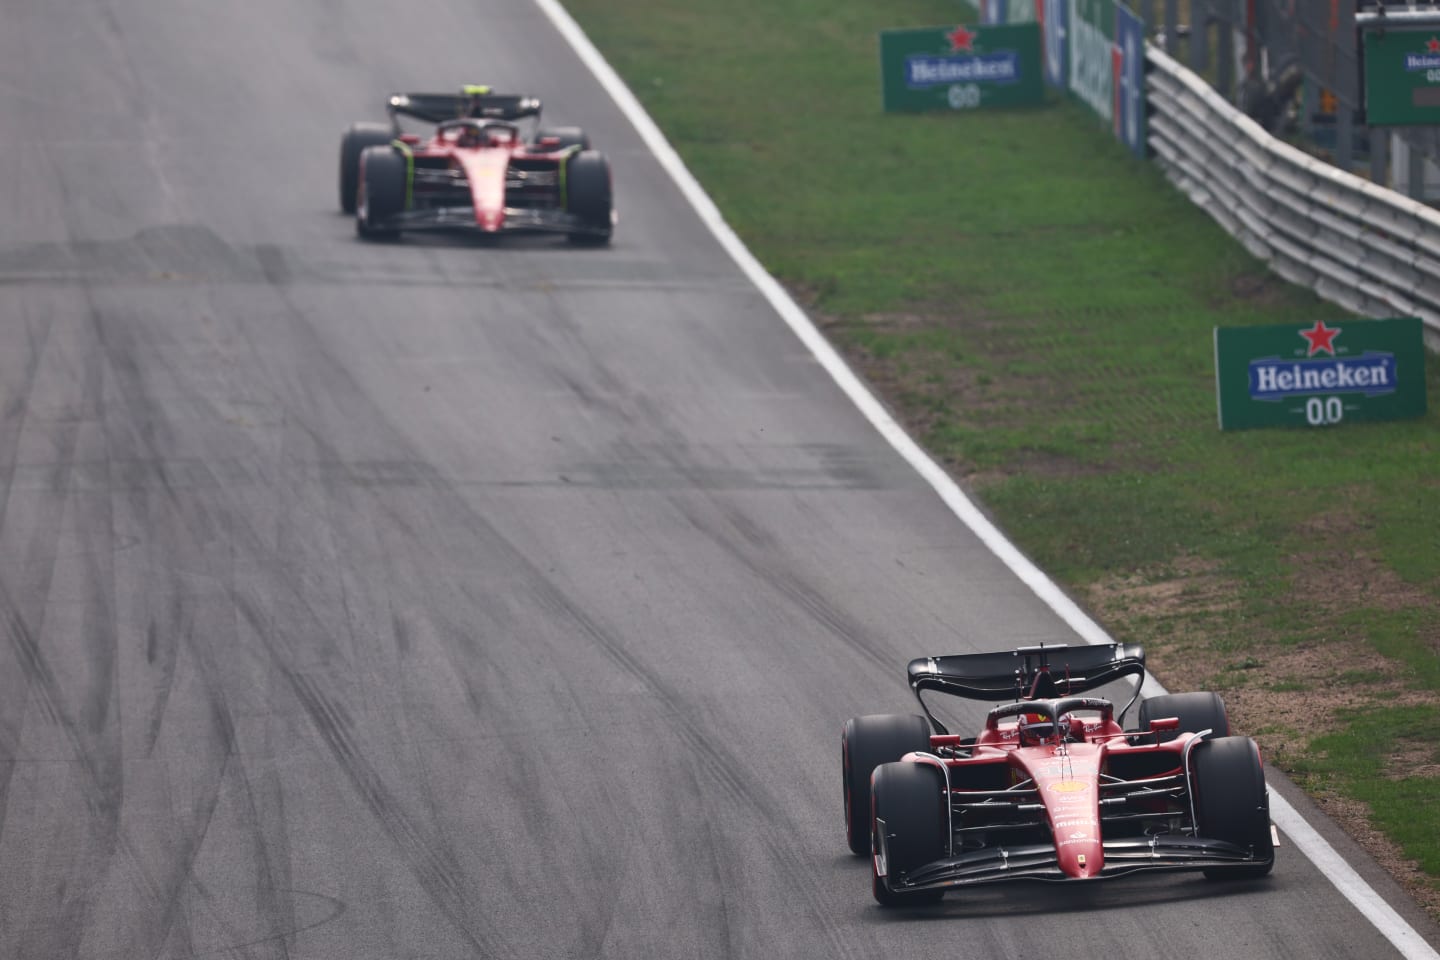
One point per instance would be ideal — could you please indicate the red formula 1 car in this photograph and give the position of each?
(487, 167)
(1053, 788)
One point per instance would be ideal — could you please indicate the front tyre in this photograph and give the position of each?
(352, 143)
(588, 197)
(911, 809)
(1232, 804)
(384, 176)
(865, 743)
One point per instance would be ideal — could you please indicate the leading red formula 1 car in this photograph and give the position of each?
(1052, 788)
(487, 167)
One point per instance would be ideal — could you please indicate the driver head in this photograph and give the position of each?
(1035, 729)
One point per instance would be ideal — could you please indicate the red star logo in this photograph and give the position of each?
(1321, 338)
(961, 39)
(1432, 45)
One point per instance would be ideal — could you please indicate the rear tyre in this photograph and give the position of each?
(352, 144)
(865, 743)
(588, 196)
(381, 197)
(1232, 804)
(1197, 711)
(910, 799)
(568, 137)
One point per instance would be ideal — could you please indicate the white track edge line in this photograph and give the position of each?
(1306, 838)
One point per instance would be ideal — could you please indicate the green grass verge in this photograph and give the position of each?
(1373, 760)
(1037, 305)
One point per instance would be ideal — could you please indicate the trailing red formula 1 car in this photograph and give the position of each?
(1052, 788)
(487, 167)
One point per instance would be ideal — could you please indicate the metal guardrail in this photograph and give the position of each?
(1368, 249)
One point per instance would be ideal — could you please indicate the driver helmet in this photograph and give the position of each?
(1035, 729)
(470, 135)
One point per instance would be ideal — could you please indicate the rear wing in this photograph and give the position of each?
(1027, 673)
(438, 107)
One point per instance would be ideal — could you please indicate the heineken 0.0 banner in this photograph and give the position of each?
(1319, 374)
(961, 68)
(1402, 78)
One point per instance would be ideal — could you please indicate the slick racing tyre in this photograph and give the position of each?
(1197, 711)
(865, 743)
(352, 143)
(909, 798)
(1231, 803)
(588, 197)
(568, 137)
(381, 196)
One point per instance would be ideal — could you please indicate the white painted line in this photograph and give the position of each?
(1331, 865)
(1350, 884)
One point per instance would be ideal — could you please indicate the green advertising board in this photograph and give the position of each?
(1092, 55)
(1319, 374)
(1402, 77)
(961, 68)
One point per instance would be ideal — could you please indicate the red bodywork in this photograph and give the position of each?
(1061, 777)
(484, 176)
(1052, 787)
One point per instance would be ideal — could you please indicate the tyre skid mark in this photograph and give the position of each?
(164, 642)
(166, 888)
(427, 860)
(160, 646)
(617, 401)
(179, 870)
(83, 729)
(719, 766)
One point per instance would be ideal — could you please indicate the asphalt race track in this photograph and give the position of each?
(449, 599)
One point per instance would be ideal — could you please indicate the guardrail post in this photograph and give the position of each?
(1414, 171)
(1225, 59)
(1379, 157)
(1172, 26)
(1345, 137)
